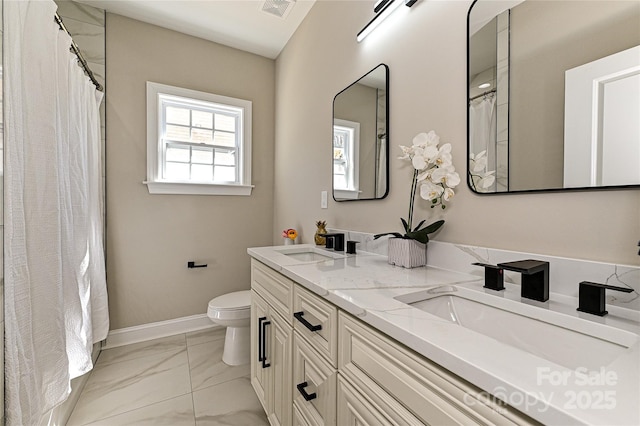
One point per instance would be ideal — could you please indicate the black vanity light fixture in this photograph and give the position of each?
(382, 9)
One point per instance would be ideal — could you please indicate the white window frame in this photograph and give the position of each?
(155, 182)
(352, 166)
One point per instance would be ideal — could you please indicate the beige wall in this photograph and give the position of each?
(540, 54)
(150, 238)
(425, 48)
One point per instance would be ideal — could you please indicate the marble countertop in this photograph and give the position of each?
(366, 286)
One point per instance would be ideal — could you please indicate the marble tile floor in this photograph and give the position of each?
(177, 380)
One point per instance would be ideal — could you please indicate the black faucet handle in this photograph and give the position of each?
(351, 246)
(606, 286)
(328, 242)
(493, 276)
(591, 297)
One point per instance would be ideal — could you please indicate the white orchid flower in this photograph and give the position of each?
(423, 156)
(430, 191)
(479, 161)
(406, 153)
(452, 179)
(424, 175)
(426, 139)
(443, 158)
(487, 180)
(448, 194)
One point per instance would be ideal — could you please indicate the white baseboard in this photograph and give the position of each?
(156, 330)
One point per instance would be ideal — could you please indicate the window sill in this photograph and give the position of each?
(192, 188)
(346, 194)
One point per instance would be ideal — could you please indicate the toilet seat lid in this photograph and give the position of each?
(232, 301)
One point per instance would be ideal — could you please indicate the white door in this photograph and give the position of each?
(602, 130)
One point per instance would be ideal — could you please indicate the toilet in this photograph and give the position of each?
(233, 310)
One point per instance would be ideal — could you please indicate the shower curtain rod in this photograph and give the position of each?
(483, 94)
(76, 50)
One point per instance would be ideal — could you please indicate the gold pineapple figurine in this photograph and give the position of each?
(322, 229)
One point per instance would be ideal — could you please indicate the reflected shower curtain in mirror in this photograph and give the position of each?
(482, 128)
(55, 287)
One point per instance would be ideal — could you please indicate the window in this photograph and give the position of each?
(197, 143)
(346, 141)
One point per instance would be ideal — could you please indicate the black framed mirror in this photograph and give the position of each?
(554, 95)
(360, 138)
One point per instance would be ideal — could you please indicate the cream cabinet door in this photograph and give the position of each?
(278, 357)
(259, 312)
(271, 339)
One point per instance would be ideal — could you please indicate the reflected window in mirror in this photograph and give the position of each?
(346, 143)
(360, 142)
(529, 126)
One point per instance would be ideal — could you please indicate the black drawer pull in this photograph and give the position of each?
(260, 339)
(299, 317)
(265, 364)
(305, 395)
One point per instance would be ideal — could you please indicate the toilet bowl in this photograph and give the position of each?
(233, 310)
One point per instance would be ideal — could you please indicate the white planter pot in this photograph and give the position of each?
(407, 253)
(289, 242)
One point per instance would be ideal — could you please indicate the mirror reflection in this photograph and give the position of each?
(554, 95)
(360, 138)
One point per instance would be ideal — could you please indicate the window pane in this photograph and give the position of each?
(339, 182)
(177, 171)
(225, 122)
(224, 174)
(338, 169)
(338, 154)
(201, 172)
(225, 158)
(201, 135)
(202, 119)
(177, 133)
(224, 139)
(202, 156)
(177, 115)
(178, 153)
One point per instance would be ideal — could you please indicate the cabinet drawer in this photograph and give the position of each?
(274, 287)
(434, 395)
(354, 409)
(298, 418)
(314, 385)
(310, 312)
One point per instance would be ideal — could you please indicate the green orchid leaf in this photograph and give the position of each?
(406, 225)
(433, 227)
(420, 236)
(395, 234)
(419, 225)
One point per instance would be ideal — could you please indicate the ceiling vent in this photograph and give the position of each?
(279, 8)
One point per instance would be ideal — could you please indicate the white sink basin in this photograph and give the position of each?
(561, 344)
(308, 254)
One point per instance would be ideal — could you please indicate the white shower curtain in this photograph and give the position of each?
(55, 288)
(482, 128)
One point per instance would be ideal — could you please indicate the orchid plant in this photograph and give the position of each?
(479, 178)
(435, 177)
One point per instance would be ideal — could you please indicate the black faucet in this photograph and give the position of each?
(493, 276)
(335, 241)
(591, 297)
(535, 278)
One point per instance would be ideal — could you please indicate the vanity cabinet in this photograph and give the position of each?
(325, 367)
